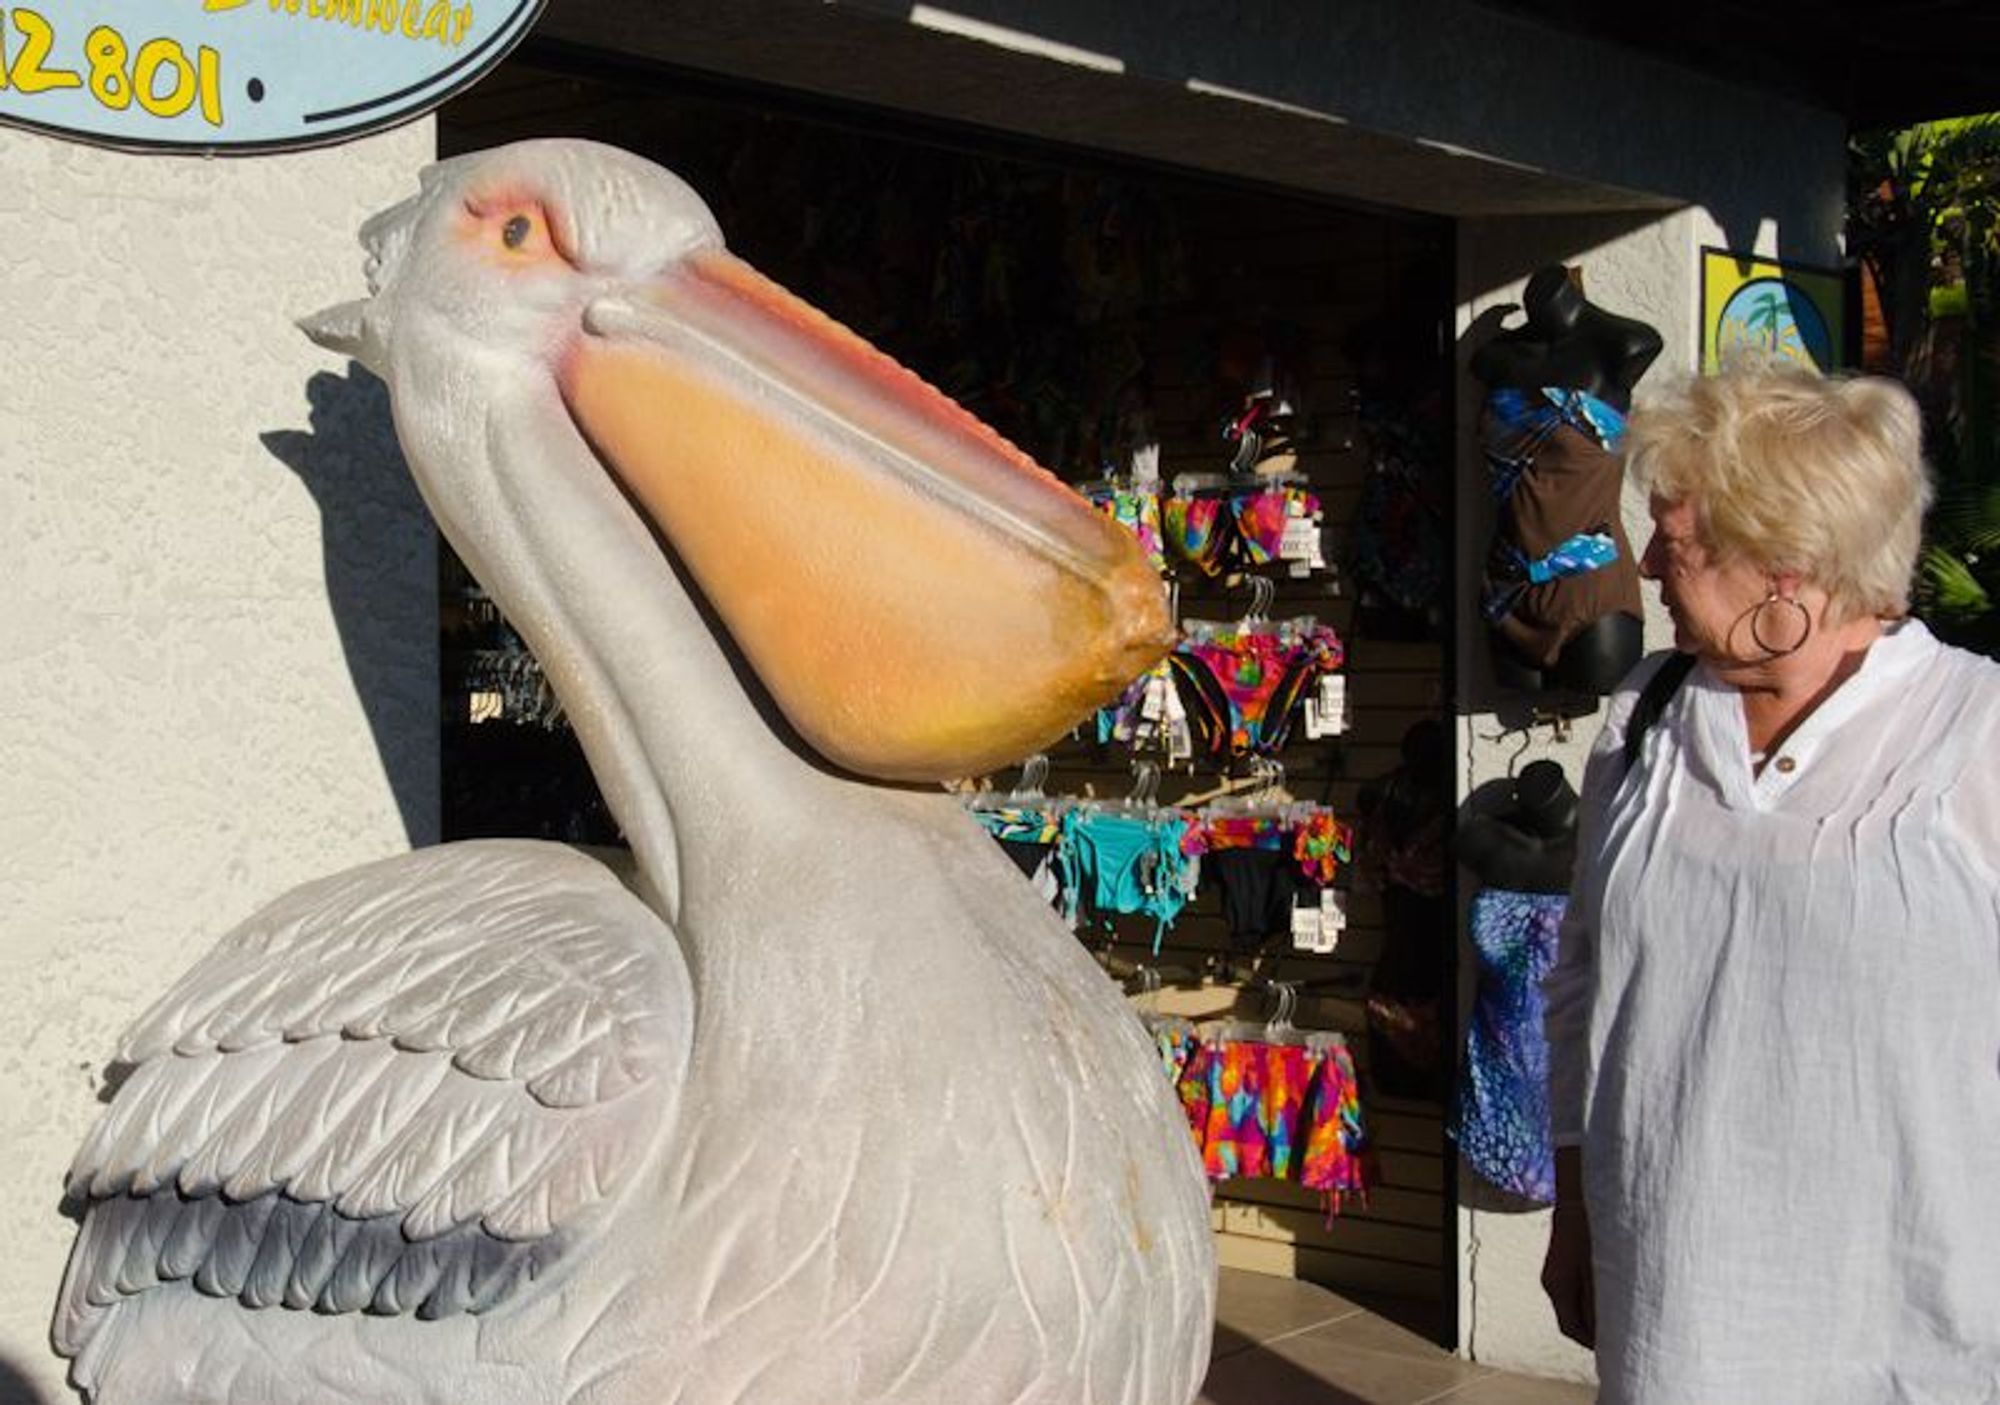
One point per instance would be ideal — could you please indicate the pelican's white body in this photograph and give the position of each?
(840, 1114)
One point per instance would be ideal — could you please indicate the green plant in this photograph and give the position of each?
(1924, 221)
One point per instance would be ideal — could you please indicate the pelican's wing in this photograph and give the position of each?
(405, 1089)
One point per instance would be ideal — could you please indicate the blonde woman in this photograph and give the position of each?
(1775, 1015)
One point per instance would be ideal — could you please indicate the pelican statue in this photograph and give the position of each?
(823, 1105)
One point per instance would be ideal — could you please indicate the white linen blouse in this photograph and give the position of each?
(1775, 1032)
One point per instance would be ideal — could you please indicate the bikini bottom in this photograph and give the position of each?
(1280, 1110)
(1115, 863)
(1028, 855)
(1241, 689)
(1259, 888)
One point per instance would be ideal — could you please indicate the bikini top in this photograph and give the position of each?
(1519, 422)
(1021, 824)
(1314, 837)
(1234, 526)
(1217, 529)
(1137, 510)
(1518, 427)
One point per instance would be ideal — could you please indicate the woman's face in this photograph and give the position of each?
(1710, 599)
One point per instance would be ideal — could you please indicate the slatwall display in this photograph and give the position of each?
(1098, 290)
(1325, 274)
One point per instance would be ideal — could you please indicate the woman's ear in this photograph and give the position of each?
(1785, 584)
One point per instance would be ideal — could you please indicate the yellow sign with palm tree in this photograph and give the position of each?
(1760, 306)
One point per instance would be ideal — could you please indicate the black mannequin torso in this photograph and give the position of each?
(1570, 343)
(1530, 846)
(1594, 661)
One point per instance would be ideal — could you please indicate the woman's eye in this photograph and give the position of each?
(515, 232)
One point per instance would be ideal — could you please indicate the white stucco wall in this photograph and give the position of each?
(217, 648)
(1647, 268)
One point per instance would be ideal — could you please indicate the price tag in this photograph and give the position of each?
(1301, 542)
(1308, 932)
(1333, 908)
(1330, 700)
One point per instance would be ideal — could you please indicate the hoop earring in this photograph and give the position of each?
(1757, 634)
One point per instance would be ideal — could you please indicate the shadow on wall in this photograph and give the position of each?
(1505, 251)
(380, 558)
(16, 1388)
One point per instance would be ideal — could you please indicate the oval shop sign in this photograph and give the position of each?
(240, 76)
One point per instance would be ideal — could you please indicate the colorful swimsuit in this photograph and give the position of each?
(1284, 1110)
(1261, 863)
(1196, 526)
(1559, 561)
(1219, 529)
(1029, 835)
(1119, 863)
(1149, 716)
(1339, 1159)
(1138, 511)
(1501, 1119)
(1241, 685)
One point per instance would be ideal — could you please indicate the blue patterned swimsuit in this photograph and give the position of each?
(1502, 1117)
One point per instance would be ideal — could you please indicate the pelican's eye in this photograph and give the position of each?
(514, 228)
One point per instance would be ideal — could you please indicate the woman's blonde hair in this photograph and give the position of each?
(1795, 471)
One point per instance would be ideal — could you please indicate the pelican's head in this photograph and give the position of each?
(918, 597)
(501, 250)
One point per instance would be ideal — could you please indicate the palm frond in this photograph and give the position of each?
(1949, 587)
(1967, 518)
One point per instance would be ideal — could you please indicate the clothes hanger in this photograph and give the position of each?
(1275, 1029)
(1027, 789)
(1144, 798)
(1266, 796)
(1253, 482)
(1149, 1006)
(1263, 595)
(1187, 484)
(1034, 774)
(1141, 801)
(1281, 1030)
(1110, 482)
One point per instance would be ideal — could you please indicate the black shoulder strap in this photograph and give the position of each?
(1653, 700)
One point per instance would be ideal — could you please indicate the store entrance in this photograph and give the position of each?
(1258, 384)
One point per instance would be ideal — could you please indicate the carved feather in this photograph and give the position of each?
(392, 1091)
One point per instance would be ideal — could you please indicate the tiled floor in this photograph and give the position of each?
(1281, 1342)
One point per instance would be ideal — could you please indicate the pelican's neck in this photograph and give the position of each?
(676, 735)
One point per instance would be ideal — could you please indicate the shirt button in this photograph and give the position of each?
(1786, 765)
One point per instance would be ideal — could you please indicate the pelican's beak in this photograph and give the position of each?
(919, 597)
